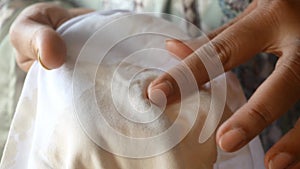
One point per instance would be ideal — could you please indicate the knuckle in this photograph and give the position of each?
(292, 75)
(32, 10)
(39, 6)
(268, 14)
(196, 66)
(290, 69)
(224, 48)
(261, 114)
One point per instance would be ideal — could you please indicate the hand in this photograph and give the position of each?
(271, 26)
(33, 34)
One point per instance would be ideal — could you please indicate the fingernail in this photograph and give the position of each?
(233, 139)
(158, 98)
(281, 161)
(40, 61)
(160, 92)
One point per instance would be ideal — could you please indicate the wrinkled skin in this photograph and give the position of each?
(271, 26)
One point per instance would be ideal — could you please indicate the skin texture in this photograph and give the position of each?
(33, 33)
(270, 26)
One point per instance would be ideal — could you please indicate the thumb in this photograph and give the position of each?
(34, 37)
(50, 48)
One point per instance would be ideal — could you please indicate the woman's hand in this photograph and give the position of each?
(271, 26)
(33, 34)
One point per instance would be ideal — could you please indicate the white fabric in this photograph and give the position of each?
(57, 124)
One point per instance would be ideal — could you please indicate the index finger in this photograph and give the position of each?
(232, 47)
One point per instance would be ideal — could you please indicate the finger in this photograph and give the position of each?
(232, 47)
(179, 48)
(33, 33)
(286, 152)
(24, 65)
(184, 48)
(79, 11)
(273, 98)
